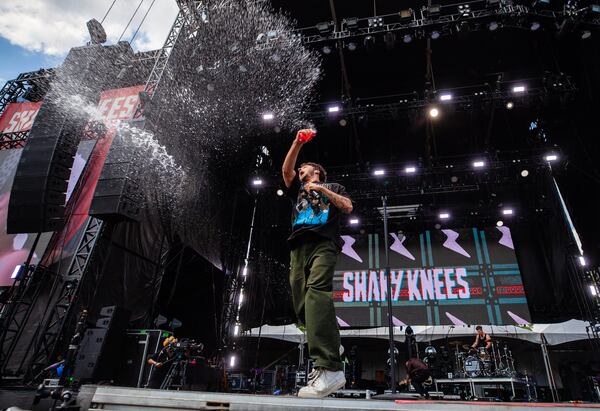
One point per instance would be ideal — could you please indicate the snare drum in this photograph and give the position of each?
(483, 354)
(473, 366)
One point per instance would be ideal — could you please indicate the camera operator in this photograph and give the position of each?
(160, 363)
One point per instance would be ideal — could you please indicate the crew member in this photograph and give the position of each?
(481, 339)
(417, 374)
(159, 362)
(315, 245)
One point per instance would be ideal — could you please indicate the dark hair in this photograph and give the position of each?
(479, 327)
(319, 167)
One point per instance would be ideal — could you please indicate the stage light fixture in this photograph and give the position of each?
(379, 172)
(478, 164)
(446, 97)
(593, 290)
(582, 261)
(586, 34)
(551, 157)
(444, 216)
(333, 109)
(535, 26)
(464, 10)
(435, 35)
(499, 223)
(493, 26)
(343, 122)
(326, 49)
(518, 89)
(17, 272)
(490, 4)
(354, 221)
(236, 330)
(510, 105)
(351, 23)
(375, 22)
(257, 182)
(407, 38)
(410, 170)
(405, 15)
(369, 42)
(507, 211)
(232, 361)
(245, 271)
(434, 112)
(241, 299)
(325, 27)
(268, 116)
(280, 192)
(524, 173)
(351, 46)
(434, 9)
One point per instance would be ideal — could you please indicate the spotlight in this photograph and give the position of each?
(446, 97)
(464, 10)
(268, 116)
(354, 221)
(510, 105)
(593, 290)
(406, 15)
(257, 182)
(478, 164)
(333, 109)
(534, 26)
(435, 35)
(551, 157)
(407, 38)
(375, 21)
(379, 172)
(410, 170)
(492, 26)
(369, 42)
(507, 211)
(524, 173)
(444, 216)
(586, 34)
(351, 46)
(351, 23)
(325, 27)
(236, 330)
(434, 112)
(280, 192)
(434, 9)
(499, 223)
(326, 50)
(518, 89)
(232, 361)
(343, 122)
(582, 261)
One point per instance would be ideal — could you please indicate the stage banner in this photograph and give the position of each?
(439, 277)
(18, 117)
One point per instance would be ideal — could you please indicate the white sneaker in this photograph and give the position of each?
(321, 383)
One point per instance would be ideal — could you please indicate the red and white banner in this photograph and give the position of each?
(18, 117)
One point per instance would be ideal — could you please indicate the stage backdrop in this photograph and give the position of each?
(439, 277)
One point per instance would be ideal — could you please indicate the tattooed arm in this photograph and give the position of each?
(344, 204)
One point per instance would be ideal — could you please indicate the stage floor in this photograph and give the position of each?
(119, 398)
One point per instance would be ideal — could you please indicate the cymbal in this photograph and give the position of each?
(458, 343)
(466, 347)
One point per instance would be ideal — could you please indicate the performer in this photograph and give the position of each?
(482, 339)
(417, 374)
(315, 245)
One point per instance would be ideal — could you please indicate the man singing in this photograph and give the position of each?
(315, 245)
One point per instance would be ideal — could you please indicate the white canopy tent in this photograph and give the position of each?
(554, 334)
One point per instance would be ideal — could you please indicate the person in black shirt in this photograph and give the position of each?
(315, 245)
(482, 339)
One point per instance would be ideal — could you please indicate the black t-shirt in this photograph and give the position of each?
(314, 215)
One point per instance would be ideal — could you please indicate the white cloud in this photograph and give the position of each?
(52, 27)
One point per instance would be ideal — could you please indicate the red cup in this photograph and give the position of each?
(307, 135)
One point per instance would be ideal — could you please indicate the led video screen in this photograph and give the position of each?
(439, 277)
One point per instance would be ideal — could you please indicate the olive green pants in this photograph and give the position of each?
(311, 280)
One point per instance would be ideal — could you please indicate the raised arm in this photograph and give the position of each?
(289, 164)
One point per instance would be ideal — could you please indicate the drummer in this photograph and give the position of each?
(481, 339)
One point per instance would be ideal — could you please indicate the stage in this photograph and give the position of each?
(120, 398)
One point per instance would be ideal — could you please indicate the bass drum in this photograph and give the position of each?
(473, 366)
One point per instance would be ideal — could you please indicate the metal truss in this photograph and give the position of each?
(424, 24)
(13, 140)
(31, 86)
(50, 337)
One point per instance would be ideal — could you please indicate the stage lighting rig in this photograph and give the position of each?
(434, 9)
(325, 28)
(464, 10)
(350, 23)
(375, 22)
(406, 15)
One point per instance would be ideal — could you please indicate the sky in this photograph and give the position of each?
(38, 34)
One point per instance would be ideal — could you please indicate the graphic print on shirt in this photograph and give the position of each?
(312, 209)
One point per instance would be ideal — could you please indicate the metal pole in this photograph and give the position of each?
(549, 374)
(389, 295)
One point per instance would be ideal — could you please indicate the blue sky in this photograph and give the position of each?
(15, 60)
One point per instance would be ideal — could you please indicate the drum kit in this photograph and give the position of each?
(472, 362)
